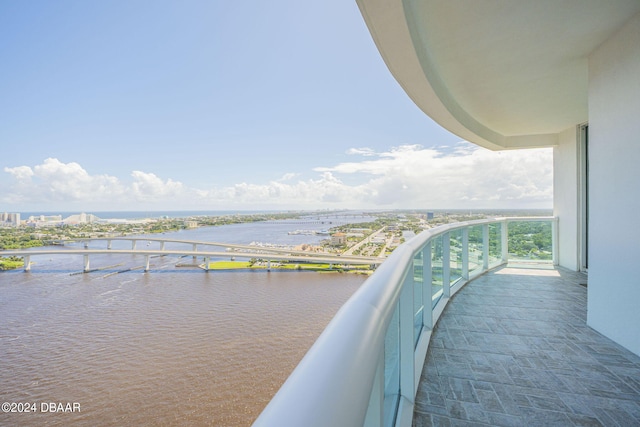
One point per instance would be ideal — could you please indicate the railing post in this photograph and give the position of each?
(485, 247)
(407, 358)
(195, 249)
(109, 244)
(465, 253)
(162, 245)
(446, 265)
(133, 244)
(427, 292)
(375, 410)
(554, 241)
(504, 243)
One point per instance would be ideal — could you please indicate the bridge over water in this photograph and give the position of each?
(230, 250)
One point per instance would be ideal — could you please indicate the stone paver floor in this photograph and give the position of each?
(513, 349)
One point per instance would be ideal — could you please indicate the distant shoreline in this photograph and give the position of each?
(189, 213)
(179, 213)
(308, 267)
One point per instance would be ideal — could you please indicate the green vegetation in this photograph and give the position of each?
(527, 240)
(229, 265)
(262, 265)
(530, 240)
(19, 238)
(11, 263)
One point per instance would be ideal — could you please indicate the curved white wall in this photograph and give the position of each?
(614, 148)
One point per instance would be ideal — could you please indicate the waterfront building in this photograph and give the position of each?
(10, 219)
(44, 220)
(81, 218)
(502, 75)
(338, 239)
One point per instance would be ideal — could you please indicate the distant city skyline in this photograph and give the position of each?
(226, 105)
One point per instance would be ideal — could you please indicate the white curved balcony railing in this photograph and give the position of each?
(364, 368)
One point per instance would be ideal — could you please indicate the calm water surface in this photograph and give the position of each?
(176, 346)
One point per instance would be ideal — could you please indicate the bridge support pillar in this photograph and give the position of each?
(27, 263)
(195, 249)
(206, 264)
(146, 266)
(269, 265)
(86, 245)
(86, 263)
(108, 244)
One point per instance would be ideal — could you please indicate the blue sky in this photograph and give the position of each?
(226, 105)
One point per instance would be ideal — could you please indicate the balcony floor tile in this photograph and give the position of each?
(512, 348)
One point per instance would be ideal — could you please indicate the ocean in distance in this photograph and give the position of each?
(169, 214)
(175, 346)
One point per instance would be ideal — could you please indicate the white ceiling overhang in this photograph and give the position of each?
(499, 73)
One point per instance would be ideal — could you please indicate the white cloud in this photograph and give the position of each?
(408, 176)
(20, 173)
(54, 183)
(468, 177)
(364, 151)
(288, 176)
(149, 187)
(312, 193)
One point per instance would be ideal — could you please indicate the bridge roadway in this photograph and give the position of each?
(196, 243)
(148, 253)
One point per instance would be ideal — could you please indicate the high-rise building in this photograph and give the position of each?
(10, 219)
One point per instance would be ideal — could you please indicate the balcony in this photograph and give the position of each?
(511, 348)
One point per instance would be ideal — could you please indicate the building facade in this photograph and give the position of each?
(338, 239)
(10, 219)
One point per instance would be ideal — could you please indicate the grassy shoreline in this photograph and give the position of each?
(10, 264)
(320, 267)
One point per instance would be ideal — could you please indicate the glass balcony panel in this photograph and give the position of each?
(417, 326)
(455, 256)
(392, 369)
(530, 241)
(495, 244)
(475, 250)
(436, 270)
(418, 290)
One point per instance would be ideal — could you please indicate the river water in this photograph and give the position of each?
(175, 346)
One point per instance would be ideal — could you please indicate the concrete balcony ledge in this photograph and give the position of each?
(512, 348)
